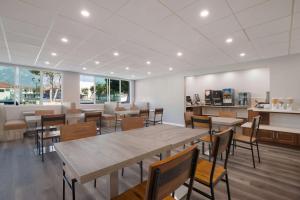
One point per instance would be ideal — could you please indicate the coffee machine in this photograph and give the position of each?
(208, 97)
(217, 97)
(228, 97)
(244, 98)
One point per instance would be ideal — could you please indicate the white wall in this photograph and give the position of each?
(167, 92)
(255, 81)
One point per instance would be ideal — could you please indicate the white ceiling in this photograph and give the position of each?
(142, 30)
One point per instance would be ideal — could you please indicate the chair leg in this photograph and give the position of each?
(202, 148)
(212, 192)
(227, 185)
(73, 189)
(252, 155)
(42, 148)
(122, 172)
(209, 152)
(141, 168)
(257, 152)
(64, 185)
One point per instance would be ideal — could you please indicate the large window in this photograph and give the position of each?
(114, 90)
(7, 83)
(87, 89)
(52, 87)
(97, 89)
(101, 89)
(125, 95)
(30, 86)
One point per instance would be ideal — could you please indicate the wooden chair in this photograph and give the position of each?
(210, 173)
(250, 140)
(204, 122)
(130, 123)
(165, 177)
(188, 118)
(118, 118)
(94, 116)
(144, 113)
(46, 133)
(158, 115)
(74, 132)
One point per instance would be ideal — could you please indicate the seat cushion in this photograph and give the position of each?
(14, 125)
(203, 171)
(243, 138)
(136, 193)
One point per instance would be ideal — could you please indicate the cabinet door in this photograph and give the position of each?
(267, 136)
(286, 138)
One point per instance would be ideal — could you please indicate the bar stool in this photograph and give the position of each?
(158, 115)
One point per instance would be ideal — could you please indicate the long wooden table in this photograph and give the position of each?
(37, 118)
(94, 157)
(226, 121)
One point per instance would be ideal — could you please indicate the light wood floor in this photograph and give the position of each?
(23, 176)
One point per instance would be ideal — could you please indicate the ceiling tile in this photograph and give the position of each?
(111, 5)
(266, 12)
(217, 8)
(238, 5)
(140, 12)
(176, 5)
(225, 26)
(25, 12)
(296, 20)
(269, 29)
(273, 50)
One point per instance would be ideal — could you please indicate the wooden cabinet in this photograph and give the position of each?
(287, 138)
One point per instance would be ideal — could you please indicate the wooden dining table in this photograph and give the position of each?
(31, 119)
(103, 155)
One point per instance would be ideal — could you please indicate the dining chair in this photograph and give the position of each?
(94, 116)
(250, 140)
(209, 173)
(74, 132)
(188, 118)
(130, 123)
(202, 121)
(144, 113)
(158, 115)
(165, 177)
(47, 133)
(118, 117)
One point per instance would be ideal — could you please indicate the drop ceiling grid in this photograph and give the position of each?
(162, 45)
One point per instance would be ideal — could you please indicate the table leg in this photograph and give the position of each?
(112, 185)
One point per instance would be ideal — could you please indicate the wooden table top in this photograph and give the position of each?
(84, 110)
(226, 121)
(127, 112)
(37, 118)
(93, 157)
(273, 128)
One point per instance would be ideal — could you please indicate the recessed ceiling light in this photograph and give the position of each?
(204, 13)
(116, 53)
(229, 40)
(149, 73)
(47, 62)
(84, 68)
(170, 68)
(53, 54)
(97, 62)
(85, 13)
(111, 72)
(148, 62)
(242, 54)
(127, 68)
(64, 40)
(179, 54)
